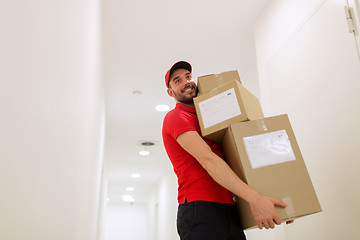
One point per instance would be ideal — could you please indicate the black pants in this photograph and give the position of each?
(202, 220)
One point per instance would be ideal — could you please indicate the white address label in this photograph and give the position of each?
(219, 108)
(268, 149)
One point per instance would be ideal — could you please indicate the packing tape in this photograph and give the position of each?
(261, 125)
(219, 78)
(290, 210)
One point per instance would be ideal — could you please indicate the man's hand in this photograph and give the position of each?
(263, 210)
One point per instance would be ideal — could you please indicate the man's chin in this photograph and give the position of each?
(189, 100)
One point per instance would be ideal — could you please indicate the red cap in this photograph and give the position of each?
(180, 64)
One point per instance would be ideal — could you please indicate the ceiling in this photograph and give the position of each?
(142, 39)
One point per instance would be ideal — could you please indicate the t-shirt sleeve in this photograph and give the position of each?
(175, 124)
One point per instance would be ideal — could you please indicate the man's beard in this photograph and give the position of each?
(186, 99)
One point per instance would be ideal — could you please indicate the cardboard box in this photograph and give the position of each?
(265, 154)
(226, 104)
(209, 82)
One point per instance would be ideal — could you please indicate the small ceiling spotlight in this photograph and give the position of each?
(144, 153)
(162, 108)
(128, 198)
(135, 175)
(130, 189)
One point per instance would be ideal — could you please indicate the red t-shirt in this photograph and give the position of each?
(195, 184)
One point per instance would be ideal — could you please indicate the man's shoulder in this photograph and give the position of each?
(178, 114)
(179, 118)
(170, 114)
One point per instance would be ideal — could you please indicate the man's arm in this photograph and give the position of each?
(262, 207)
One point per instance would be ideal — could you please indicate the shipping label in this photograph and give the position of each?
(268, 149)
(219, 108)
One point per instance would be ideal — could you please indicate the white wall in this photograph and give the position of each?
(51, 127)
(103, 199)
(152, 215)
(167, 206)
(125, 221)
(309, 68)
(279, 22)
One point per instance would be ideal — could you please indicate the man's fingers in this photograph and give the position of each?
(277, 220)
(278, 202)
(271, 224)
(265, 215)
(266, 224)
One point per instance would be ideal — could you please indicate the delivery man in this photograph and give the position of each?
(206, 183)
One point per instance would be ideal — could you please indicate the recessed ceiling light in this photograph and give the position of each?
(147, 143)
(130, 189)
(162, 108)
(137, 92)
(128, 198)
(144, 153)
(135, 175)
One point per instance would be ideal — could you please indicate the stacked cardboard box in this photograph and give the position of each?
(263, 152)
(224, 100)
(209, 82)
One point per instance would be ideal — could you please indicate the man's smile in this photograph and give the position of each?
(188, 88)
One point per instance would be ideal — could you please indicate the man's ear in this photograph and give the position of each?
(170, 92)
